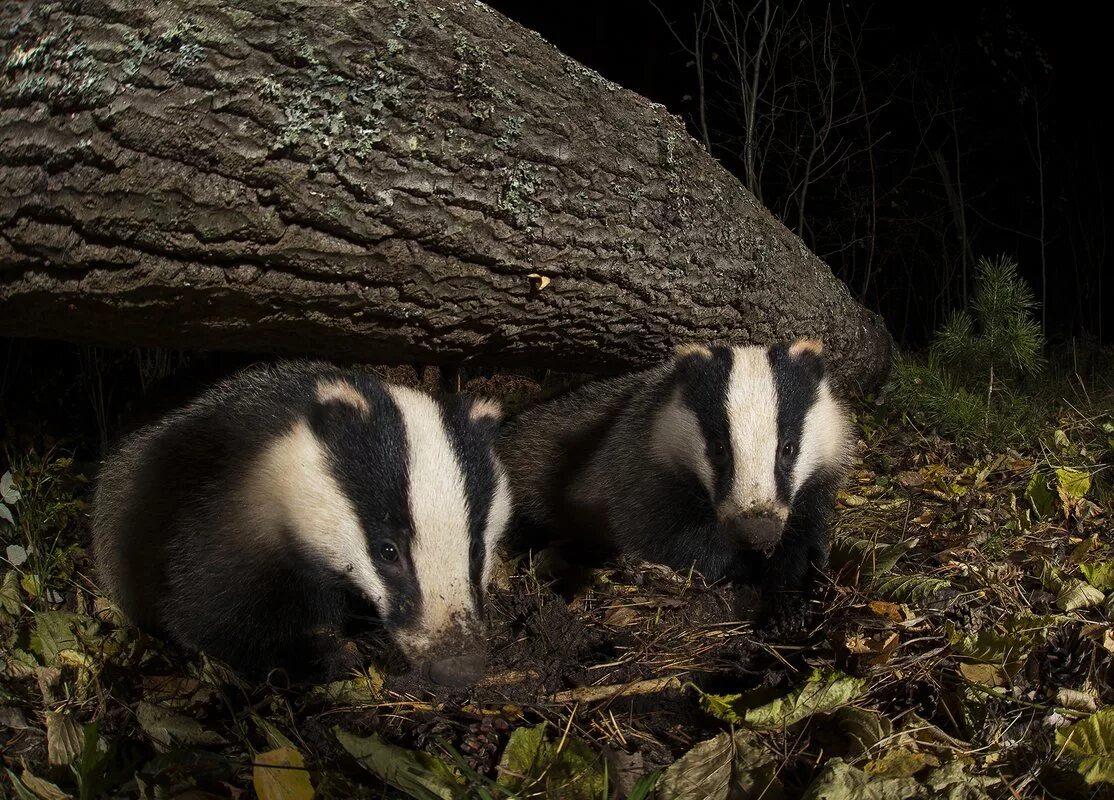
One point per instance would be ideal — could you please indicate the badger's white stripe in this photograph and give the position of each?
(291, 486)
(752, 413)
(439, 550)
(498, 517)
(823, 437)
(676, 438)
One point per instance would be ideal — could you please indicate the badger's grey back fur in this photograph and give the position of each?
(246, 523)
(626, 466)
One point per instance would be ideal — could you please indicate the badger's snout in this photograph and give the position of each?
(756, 530)
(450, 656)
(456, 671)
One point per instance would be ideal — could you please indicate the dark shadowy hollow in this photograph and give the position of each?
(381, 182)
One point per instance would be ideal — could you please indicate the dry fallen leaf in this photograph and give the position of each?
(886, 610)
(983, 674)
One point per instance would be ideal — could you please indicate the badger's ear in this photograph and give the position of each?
(337, 402)
(803, 347)
(341, 394)
(809, 353)
(692, 350)
(486, 414)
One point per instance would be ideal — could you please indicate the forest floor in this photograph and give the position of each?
(964, 649)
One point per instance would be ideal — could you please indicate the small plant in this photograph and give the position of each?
(970, 384)
(41, 503)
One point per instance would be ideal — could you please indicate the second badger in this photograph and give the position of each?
(725, 459)
(246, 523)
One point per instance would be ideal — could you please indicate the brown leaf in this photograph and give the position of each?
(900, 762)
(63, 738)
(49, 679)
(910, 479)
(619, 616)
(886, 610)
(983, 674)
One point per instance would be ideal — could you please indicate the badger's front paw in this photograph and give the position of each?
(341, 661)
(786, 616)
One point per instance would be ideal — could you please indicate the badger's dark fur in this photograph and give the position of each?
(722, 459)
(246, 523)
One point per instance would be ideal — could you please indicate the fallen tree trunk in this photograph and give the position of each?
(393, 180)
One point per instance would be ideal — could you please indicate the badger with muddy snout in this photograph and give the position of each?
(726, 459)
(252, 521)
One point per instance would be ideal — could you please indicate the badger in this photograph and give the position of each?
(254, 521)
(722, 459)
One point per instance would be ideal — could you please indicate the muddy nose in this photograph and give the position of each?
(759, 533)
(462, 670)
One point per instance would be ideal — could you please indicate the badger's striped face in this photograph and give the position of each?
(752, 424)
(402, 496)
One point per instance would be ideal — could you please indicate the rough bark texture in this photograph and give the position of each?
(374, 180)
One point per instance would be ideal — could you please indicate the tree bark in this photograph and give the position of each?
(390, 181)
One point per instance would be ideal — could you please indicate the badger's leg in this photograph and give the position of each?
(789, 576)
(257, 612)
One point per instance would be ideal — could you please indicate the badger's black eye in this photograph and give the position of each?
(387, 551)
(788, 449)
(717, 451)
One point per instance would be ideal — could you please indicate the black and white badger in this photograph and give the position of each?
(726, 459)
(247, 523)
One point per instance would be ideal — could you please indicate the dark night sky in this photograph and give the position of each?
(927, 49)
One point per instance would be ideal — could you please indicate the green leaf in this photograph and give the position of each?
(645, 785)
(863, 729)
(566, 769)
(821, 693)
(420, 775)
(865, 557)
(16, 555)
(92, 767)
(523, 755)
(281, 774)
(169, 730)
(1075, 594)
(1040, 497)
(908, 588)
(1101, 575)
(1073, 483)
(8, 493)
(732, 765)
(10, 600)
(1091, 742)
(1007, 647)
(355, 691)
(841, 781)
(56, 631)
(6, 515)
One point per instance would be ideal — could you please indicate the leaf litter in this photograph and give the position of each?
(962, 649)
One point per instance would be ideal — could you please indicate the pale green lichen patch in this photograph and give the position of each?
(177, 49)
(579, 72)
(512, 132)
(516, 198)
(329, 114)
(55, 68)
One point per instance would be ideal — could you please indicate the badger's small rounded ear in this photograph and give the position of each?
(696, 349)
(809, 347)
(336, 402)
(485, 413)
